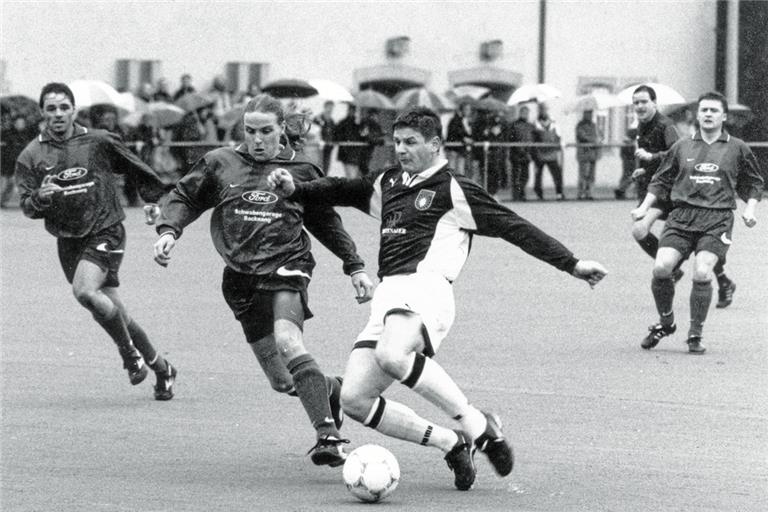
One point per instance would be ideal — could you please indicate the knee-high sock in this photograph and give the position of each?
(141, 340)
(701, 298)
(432, 382)
(722, 279)
(664, 295)
(650, 244)
(401, 422)
(115, 326)
(313, 393)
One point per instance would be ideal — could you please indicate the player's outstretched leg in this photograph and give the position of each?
(495, 446)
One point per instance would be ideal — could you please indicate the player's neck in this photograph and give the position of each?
(711, 136)
(62, 136)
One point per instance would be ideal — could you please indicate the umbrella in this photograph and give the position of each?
(491, 104)
(372, 99)
(474, 92)
(533, 92)
(94, 92)
(594, 101)
(421, 97)
(290, 88)
(164, 114)
(17, 104)
(665, 95)
(129, 102)
(232, 116)
(329, 90)
(194, 101)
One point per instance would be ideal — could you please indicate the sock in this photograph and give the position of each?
(332, 383)
(701, 298)
(401, 422)
(650, 244)
(310, 385)
(142, 343)
(664, 295)
(722, 279)
(115, 326)
(431, 381)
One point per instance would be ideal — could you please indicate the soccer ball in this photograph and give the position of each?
(371, 473)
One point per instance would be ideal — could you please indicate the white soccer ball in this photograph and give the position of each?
(371, 473)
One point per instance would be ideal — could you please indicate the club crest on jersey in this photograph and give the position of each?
(706, 167)
(259, 197)
(424, 199)
(72, 174)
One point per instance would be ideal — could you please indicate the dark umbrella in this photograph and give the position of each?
(22, 105)
(421, 97)
(491, 104)
(290, 88)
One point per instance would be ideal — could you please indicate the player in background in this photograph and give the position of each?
(655, 135)
(268, 259)
(701, 175)
(66, 176)
(428, 218)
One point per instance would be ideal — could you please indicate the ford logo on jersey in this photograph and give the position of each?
(706, 167)
(259, 197)
(72, 174)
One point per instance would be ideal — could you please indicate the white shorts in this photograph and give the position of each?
(427, 294)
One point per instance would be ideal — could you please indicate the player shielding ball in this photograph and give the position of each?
(66, 176)
(702, 176)
(428, 218)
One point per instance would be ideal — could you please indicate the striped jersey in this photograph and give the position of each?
(428, 219)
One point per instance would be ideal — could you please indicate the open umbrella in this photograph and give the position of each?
(329, 90)
(373, 99)
(194, 101)
(165, 114)
(594, 101)
(533, 92)
(16, 104)
(232, 116)
(290, 88)
(665, 95)
(491, 104)
(94, 92)
(421, 97)
(475, 92)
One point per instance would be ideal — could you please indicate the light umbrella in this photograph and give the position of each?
(421, 97)
(232, 116)
(533, 92)
(491, 104)
(665, 95)
(290, 88)
(330, 90)
(94, 92)
(165, 114)
(373, 99)
(194, 101)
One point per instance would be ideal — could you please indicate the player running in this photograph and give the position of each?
(268, 259)
(701, 175)
(428, 216)
(65, 176)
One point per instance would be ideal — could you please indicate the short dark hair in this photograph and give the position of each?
(647, 88)
(421, 119)
(713, 95)
(56, 88)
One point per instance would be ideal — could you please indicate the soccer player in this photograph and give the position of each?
(701, 175)
(65, 176)
(655, 135)
(268, 259)
(428, 217)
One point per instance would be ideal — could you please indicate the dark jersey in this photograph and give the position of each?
(428, 227)
(655, 136)
(84, 165)
(254, 230)
(708, 175)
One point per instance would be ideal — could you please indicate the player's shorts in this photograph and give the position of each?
(256, 303)
(690, 229)
(104, 249)
(428, 294)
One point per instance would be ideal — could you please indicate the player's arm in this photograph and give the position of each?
(35, 193)
(125, 161)
(749, 184)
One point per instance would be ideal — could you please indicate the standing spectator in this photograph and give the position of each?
(146, 92)
(627, 163)
(495, 131)
(327, 126)
(185, 87)
(460, 132)
(15, 136)
(222, 103)
(521, 131)
(586, 133)
(253, 90)
(547, 132)
(161, 91)
(348, 130)
(372, 133)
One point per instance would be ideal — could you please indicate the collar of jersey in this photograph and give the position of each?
(425, 174)
(286, 153)
(78, 130)
(724, 136)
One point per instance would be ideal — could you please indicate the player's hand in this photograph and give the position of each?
(281, 181)
(749, 218)
(643, 155)
(590, 271)
(640, 171)
(363, 287)
(638, 213)
(48, 187)
(163, 248)
(151, 213)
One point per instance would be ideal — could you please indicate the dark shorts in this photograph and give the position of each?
(104, 249)
(690, 229)
(258, 300)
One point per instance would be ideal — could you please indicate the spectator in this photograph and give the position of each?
(372, 133)
(460, 131)
(547, 132)
(627, 163)
(327, 126)
(587, 133)
(348, 130)
(15, 137)
(222, 103)
(495, 131)
(185, 87)
(521, 131)
(253, 90)
(146, 92)
(161, 91)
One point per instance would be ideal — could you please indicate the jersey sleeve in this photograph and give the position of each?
(662, 181)
(479, 213)
(361, 193)
(193, 194)
(28, 182)
(125, 161)
(749, 181)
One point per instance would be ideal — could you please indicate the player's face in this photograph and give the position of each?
(414, 153)
(262, 134)
(711, 115)
(58, 113)
(644, 106)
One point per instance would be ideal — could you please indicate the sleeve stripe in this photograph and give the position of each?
(461, 207)
(374, 207)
